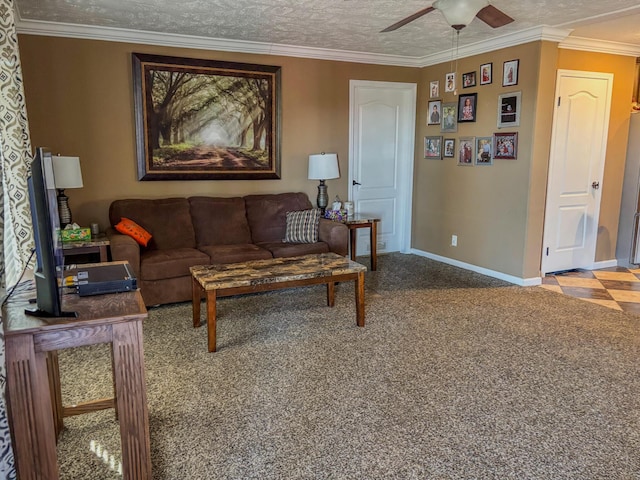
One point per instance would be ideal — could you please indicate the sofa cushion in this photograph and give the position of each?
(161, 264)
(302, 226)
(167, 219)
(281, 249)
(219, 221)
(235, 253)
(267, 214)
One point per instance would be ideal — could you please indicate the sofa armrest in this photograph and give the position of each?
(335, 234)
(123, 247)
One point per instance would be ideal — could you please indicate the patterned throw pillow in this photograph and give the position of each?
(302, 226)
(135, 231)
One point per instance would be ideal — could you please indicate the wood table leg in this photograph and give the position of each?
(374, 245)
(196, 298)
(359, 288)
(131, 392)
(211, 319)
(104, 257)
(53, 371)
(29, 404)
(353, 239)
(331, 294)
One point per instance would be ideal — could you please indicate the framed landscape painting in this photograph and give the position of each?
(206, 120)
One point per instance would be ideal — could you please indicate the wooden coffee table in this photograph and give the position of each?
(273, 274)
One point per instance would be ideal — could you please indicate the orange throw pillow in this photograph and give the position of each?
(135, 231)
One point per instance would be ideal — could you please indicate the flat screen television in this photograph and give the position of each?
(49, 268)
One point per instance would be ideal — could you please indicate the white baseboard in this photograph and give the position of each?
(605, 264)
(523, 282)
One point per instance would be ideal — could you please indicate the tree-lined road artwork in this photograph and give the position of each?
(209, 121)
(212, 157)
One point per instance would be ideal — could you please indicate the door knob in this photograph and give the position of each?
(595, 185)
(354, 183)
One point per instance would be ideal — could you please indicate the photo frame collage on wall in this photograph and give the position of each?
(449, 116)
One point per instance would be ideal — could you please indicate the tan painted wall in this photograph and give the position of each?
(541, 142)
(485, 206)
(497, 211)
(80, 102)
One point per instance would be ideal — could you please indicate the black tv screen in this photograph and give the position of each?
(46, 231)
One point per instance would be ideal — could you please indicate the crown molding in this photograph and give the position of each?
(112, 34)
(496, 43)
(600, 46)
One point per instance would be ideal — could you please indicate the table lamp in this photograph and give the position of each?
(323, 166)
(66, 174)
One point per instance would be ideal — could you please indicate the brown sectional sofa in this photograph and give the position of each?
(203, 230)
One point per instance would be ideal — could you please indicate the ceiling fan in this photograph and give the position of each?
(459, 13)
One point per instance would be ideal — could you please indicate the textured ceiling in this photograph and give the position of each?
(348, 25)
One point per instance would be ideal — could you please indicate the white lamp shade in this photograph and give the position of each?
(323, 166)
(66, 172)
(459, 12)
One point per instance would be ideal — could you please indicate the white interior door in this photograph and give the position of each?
(382, 126)
(578, 150)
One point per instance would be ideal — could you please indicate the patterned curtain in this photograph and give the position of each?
(15, 219)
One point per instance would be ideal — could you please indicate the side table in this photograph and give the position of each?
(33, 382)
(364, 221)
(98, 244)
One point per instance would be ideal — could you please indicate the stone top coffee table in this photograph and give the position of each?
(273, 274)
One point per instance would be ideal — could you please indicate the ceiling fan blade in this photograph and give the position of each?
(409, 19)
(493, 17)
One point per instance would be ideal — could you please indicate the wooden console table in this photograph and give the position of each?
(98, 244)
(364, 221)
(33, 384)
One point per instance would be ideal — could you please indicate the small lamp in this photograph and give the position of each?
(323, 166)
(66, 174)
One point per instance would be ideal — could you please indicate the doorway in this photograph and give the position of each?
(576, 166)
(381, 152)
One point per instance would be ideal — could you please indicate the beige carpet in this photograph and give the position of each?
(455, 376)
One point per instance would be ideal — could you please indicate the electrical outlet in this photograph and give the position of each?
(454, 240)
(382, 245)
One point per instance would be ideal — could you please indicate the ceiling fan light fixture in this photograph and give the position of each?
(459, 13)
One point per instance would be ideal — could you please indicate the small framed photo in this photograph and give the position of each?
(510, 73)
(484, 146)
(505, 146)
(449, 118)
(433, 147)
(486, 73)
(450, 82)
(467, 107)
(434, 89)
(468, 79)
(509, 109)
(449, 147)
(466, 149)
(434, 113)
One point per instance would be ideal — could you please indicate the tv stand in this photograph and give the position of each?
(33, 379)
(36, 312)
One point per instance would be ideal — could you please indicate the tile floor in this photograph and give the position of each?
(615, 287)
